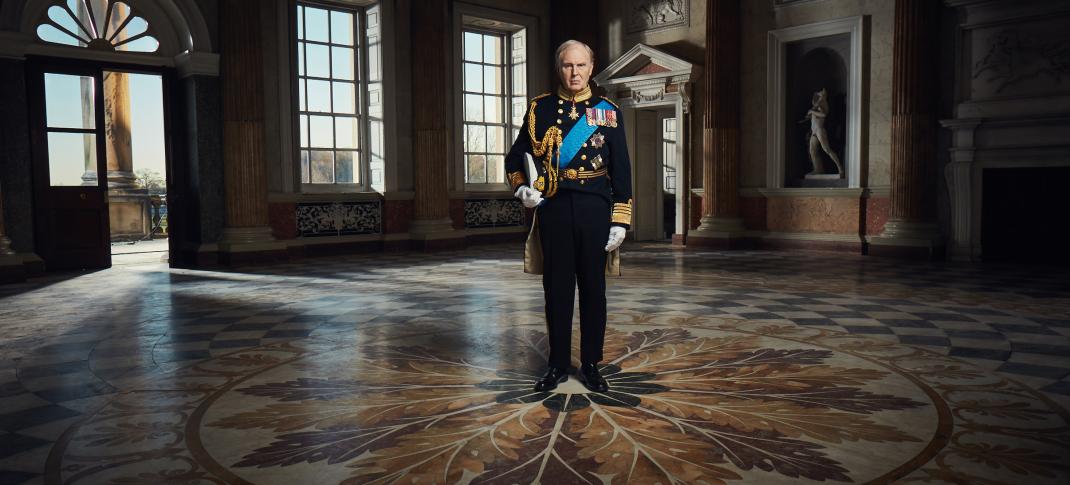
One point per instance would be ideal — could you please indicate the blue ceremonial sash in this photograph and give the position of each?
(578, 135)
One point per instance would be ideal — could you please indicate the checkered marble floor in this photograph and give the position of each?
(71, 342)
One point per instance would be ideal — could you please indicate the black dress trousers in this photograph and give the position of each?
(573, 228)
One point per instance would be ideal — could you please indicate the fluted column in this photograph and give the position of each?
(911, 223)
(244, 171)
(720, 222)
(430, 99)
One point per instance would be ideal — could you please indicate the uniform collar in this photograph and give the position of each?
(566, 95)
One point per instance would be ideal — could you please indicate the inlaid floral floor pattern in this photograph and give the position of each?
(693, 400)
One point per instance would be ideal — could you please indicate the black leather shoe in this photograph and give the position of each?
(551, 379)
(592, 379)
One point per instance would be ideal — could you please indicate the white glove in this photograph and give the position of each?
(616, 237)
(528, 196)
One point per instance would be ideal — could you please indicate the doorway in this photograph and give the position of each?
(655, 182)
(100, 165)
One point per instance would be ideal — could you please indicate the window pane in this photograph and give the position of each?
(475, 138)
(343, 60)
(319, 95)
(304, 130)
(473, 47)
(477, 169)
(317, 62)
(301, 58)
(343, 167)
(69, 101)
(136, 26)
(345, 100)
(301, 94)
(495, 139)
(49, 33)
(492, 49)
(300, 22)
(495, 168)
(144, 44)
(322, 167)
(492, 109)
(60, 16)
(70, 157)
(304, 166)
(473, 107)
(473, 78)
(342, 28)
(492, 80)
(345, 132)
(316, 24)
(320, 130)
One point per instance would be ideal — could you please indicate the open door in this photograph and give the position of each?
(69, 168)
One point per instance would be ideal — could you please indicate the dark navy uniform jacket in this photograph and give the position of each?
(593, 152)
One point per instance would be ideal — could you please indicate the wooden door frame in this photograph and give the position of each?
(36, 67)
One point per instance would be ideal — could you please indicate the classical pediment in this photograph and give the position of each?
(645, 63)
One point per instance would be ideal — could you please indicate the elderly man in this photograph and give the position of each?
(582, 188)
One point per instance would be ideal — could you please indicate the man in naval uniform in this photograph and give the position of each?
(582, 191)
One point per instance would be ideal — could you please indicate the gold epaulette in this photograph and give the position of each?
(610, 101)
(536, 98)
(622, 212)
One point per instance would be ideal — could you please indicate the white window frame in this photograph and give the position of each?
(474, 17)
(361, 48)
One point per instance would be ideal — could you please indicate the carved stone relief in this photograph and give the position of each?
(648, 15)
(1011, 59)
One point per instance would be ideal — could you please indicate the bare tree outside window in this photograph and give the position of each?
(339, 83)
(494, 96)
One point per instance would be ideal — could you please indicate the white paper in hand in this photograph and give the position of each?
(533, 173)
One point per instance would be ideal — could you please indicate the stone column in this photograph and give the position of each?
(911, 229)
(246, 231)
(431, 226)
(117, 124)
(720, 224)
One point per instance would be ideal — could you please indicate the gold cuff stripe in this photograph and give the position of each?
(622, 218)
(516, 179)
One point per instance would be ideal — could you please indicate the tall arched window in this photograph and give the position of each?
(107, 25)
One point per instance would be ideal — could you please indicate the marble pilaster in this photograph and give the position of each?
(246, 228)
(911, 229)
(720, 223)
(431, 225)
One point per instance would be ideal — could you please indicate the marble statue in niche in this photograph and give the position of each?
(818, 136)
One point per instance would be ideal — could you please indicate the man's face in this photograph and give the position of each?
(576, 68)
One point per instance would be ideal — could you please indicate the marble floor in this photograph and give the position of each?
(725, 367)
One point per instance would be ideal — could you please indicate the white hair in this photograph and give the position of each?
(569, 44)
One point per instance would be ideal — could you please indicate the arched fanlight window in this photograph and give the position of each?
(97, 24)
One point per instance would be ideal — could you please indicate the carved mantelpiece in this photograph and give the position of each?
(1014, 96)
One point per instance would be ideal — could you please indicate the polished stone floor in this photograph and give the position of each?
(725, 367)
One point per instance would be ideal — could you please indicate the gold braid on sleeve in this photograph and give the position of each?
(548, 147)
